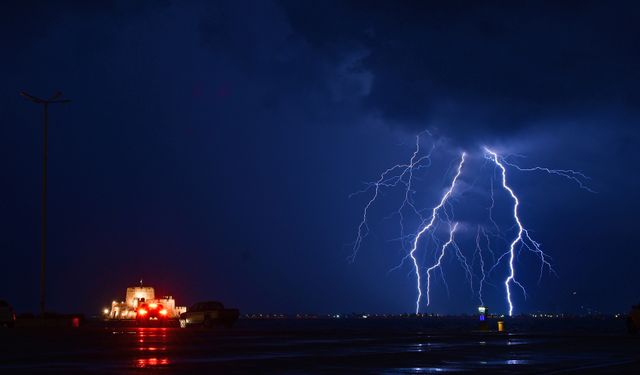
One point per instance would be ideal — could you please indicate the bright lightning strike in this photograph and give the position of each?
(402, 175)
(482, 271)
(521, 237)
(452, 230)
(434, 214)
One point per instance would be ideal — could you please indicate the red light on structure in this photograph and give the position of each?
(163, 312)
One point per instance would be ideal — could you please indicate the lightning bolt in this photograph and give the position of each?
(522, 236)
(452, 230)
(576, 176)
(427, 226)
(402, 175)
(483, 277)
(392, 177)
(493, 204)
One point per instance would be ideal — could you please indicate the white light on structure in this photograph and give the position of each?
(482, 309)
(105, 311)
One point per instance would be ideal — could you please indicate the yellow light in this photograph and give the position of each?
(105, 311)
(153, 305)
(142, 312)
(163, 312)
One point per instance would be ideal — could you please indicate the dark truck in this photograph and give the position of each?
(633, 320)
(7, 315)
(209, 314)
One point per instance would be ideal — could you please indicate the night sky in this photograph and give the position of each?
(211, 147)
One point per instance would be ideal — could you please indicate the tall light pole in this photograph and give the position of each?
(55, 99)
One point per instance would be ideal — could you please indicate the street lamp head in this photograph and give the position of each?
(32, 98)
(54, 98)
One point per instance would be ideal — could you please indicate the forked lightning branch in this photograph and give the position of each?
(401, 176)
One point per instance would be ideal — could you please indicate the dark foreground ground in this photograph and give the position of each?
(326, 346)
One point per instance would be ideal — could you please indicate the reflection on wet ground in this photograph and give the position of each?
(299, 348)
(152, 343)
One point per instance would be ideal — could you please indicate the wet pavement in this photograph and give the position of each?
(318, 347)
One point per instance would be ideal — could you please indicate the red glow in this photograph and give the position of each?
(151, 362)
(142, 312)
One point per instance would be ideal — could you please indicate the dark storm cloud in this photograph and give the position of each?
(25, 22)
(277, 68)
(174, 107)
(483, 66)
(220, 140)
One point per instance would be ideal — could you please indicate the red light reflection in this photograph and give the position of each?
(151, 341)
(152, 362)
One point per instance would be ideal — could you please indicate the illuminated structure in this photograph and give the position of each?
(137, 294)
(483, 311)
